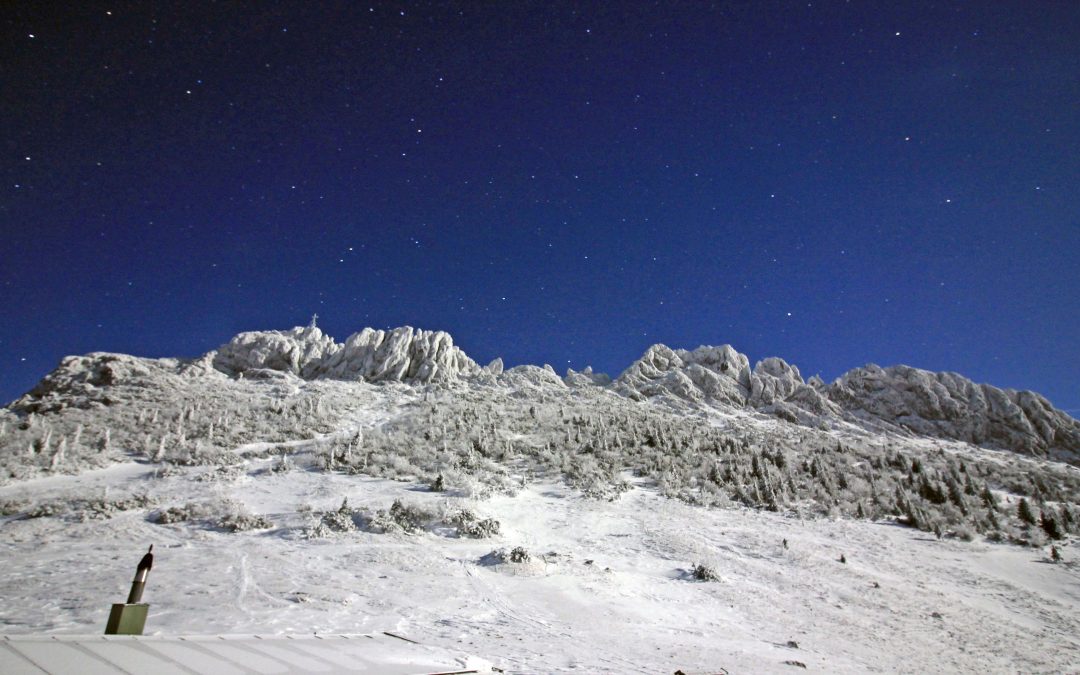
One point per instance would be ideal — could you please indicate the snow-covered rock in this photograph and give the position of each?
(86, 381)
(294, 351)
(403, 354)
(717, 374)
(897, 399)
(532, 377)
(948, 405)
(772, 379)
(586, 378)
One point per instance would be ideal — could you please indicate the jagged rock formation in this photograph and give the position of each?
(532, 377)
(402, 354)
(721, 375)
(86, 381)
(707, 374)
(948, 405)
(585, 378)
(899, 399)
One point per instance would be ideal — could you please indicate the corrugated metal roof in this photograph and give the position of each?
(384, 654)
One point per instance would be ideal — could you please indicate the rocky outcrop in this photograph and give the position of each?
(947, 405)
(586, 378)
(896, 399)
(532, 377)
(88, 381)
(402, 354)
(938, 405)
(299, 351)
(723, 375)
(706, 374)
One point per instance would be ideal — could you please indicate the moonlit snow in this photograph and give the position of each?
(294, 485)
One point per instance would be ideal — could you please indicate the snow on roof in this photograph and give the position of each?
(228, 655)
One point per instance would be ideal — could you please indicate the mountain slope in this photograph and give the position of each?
(293, 483)
(900, 398)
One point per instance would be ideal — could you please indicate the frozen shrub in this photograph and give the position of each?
(10, 508)
(243, 522)
(410, 518)
(963, 532)
(340, 520)
(519, 555)
(704, 573)
(172, 514)
(468, 524)
(48, 509)
(603, 489)
(182, 514)
(1025, 512)
(88, 509)
(221, 473)
(501, 556)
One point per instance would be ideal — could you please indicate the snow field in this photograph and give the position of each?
(903, 601)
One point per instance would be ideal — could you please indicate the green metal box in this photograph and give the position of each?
(127, 619)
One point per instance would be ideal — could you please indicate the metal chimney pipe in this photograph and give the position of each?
(141, 572)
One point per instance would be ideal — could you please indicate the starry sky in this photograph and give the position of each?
(835, 183)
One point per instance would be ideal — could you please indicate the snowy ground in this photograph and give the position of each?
(608, 588)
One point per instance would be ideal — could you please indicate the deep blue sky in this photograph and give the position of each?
(835, 183)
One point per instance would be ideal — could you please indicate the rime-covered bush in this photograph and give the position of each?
(221, 474)
(281, 465)
(48, 509)
(704, 573)
(468, 524)
(188, 512)
(243, 522)
(11, 507)
(99, 508)
(402, 517)
(518, 554)
(339, 521)
(502, 556)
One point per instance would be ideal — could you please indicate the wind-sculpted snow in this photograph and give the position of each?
(402, 354)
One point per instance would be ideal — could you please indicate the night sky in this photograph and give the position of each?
(836, 183)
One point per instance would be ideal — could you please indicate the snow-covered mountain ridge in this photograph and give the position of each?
(923, 403)
(694, 513)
